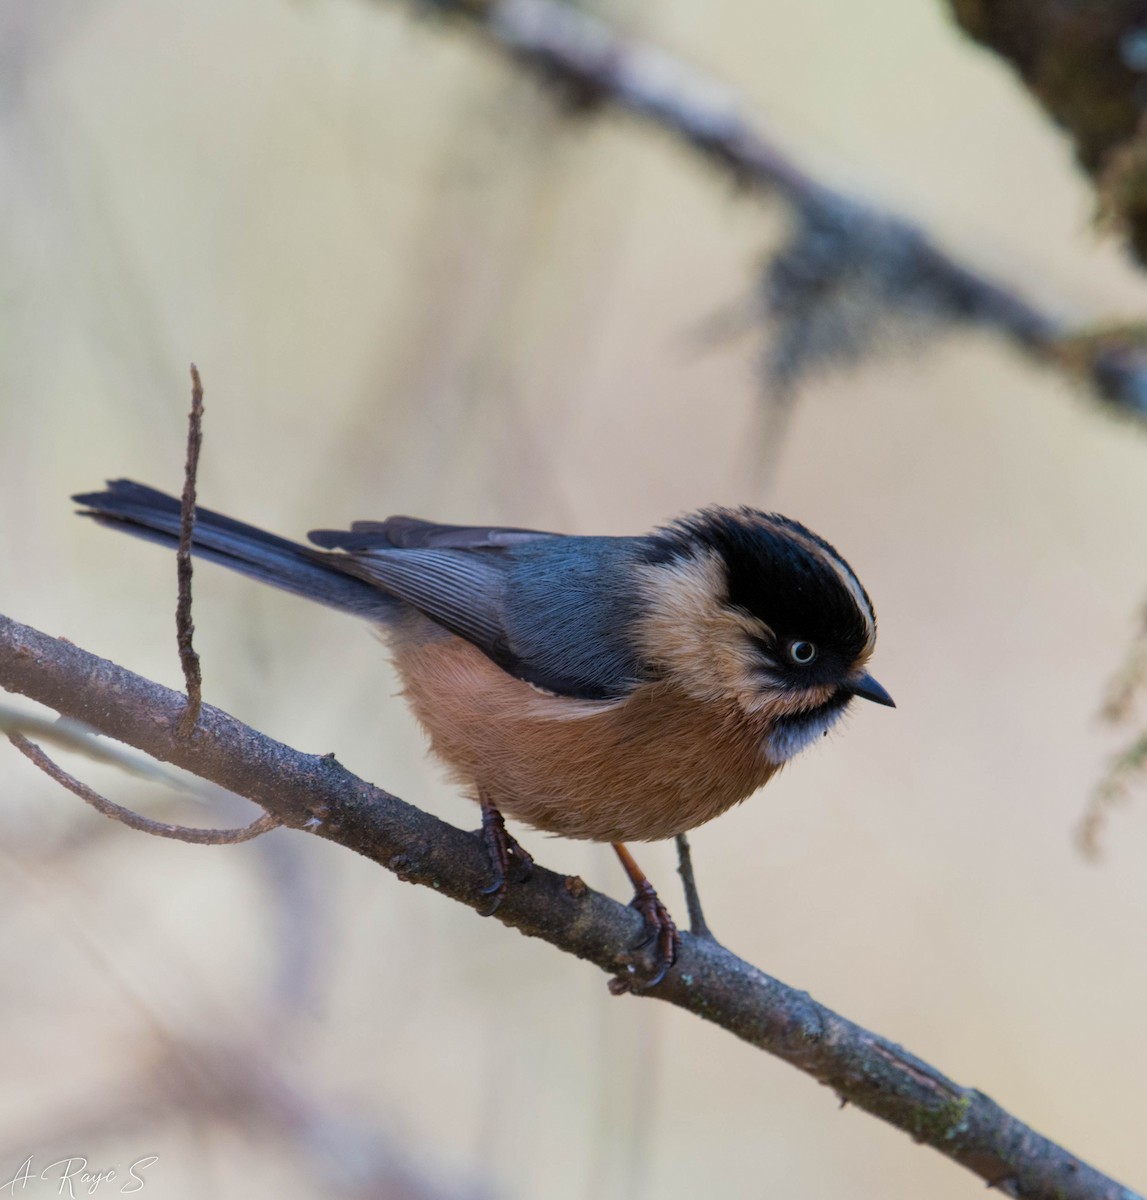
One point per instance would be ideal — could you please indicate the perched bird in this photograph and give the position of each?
(610, 688)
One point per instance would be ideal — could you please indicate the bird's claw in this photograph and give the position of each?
(508, 861)
(660, 933)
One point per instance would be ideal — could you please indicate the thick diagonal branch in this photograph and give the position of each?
(316, 794)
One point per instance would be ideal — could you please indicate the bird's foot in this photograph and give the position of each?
(661, 937)
(509, 863)
(644, 971)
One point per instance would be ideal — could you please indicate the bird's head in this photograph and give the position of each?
(751, 606)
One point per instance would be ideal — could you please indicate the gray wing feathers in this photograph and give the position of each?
(557, 613)
(410, 533)
(463, 592)
(571, 614)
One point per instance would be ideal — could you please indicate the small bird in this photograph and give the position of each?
(615, 689)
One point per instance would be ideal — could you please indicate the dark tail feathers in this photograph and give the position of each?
(154, 515)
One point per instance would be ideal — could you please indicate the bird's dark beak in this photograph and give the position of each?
(864, 685)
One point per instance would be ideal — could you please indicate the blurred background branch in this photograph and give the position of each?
(1129, 766)
(1086, 64)
(849, 274)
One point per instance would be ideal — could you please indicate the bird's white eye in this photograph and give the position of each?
(802, 653)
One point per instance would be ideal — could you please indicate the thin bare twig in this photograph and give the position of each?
(316, 794)
(117, 812)
(82, 739)
(848, 268)
(184, 626)
(698, 926)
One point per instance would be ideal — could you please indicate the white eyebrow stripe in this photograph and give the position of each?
(863, 605)
(847, 578)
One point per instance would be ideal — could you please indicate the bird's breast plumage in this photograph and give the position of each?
(647, 766)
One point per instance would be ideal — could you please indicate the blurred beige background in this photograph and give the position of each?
(412, 286)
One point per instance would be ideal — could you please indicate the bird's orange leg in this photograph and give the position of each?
(659, 927)
(507, 859)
